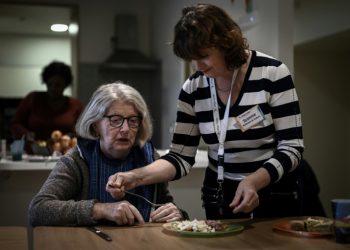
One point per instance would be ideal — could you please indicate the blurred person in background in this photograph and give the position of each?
(40, 113)
(114, 133)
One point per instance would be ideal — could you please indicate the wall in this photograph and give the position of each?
(319, 18)
(321, 62)
(96, 24)
(265, 36)
(325, 119)
(96, 19)
(22, 59)
(97, 27)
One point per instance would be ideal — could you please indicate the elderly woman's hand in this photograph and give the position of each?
(168, 212)
(122, 213)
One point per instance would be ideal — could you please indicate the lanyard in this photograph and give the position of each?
(221, 129)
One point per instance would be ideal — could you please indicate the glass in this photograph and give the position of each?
(17, 148)
(341, 215)
(117, 121)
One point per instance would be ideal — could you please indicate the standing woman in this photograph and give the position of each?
(40, 113)
(244, 106)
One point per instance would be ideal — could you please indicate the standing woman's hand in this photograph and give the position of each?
(168, 212)
(246, 198)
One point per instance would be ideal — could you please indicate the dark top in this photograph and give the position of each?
(35, 115)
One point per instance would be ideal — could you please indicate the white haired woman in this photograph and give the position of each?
(114, 136)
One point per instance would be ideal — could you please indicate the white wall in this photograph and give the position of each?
(22, 59)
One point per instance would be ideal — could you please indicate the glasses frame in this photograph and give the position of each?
(124, 118)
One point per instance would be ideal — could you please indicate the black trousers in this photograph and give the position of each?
(281, 199)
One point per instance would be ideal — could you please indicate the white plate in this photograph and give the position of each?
(40, 158)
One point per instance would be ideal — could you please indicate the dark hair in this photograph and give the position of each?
(57, 68)
(205, 26)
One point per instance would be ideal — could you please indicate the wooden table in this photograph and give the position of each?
(257, 235)
(13, 238)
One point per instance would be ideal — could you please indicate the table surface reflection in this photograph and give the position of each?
(258, 234)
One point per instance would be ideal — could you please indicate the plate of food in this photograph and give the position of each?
(202, 228)
(306, 227)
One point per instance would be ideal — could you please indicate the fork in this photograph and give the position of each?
(145, 199)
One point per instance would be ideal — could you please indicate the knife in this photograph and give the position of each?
(100, 233)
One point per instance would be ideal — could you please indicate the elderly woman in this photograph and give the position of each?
(114, 132)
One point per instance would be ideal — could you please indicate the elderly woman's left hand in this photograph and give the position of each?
(168, 212)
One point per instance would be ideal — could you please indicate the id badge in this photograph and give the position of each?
(250, 118)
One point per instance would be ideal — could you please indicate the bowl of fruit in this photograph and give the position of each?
(56, 145)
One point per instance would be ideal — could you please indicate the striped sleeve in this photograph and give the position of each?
(285, 112)
(186, 136)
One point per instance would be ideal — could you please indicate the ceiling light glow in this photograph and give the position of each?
(73, 28)
(59, 27)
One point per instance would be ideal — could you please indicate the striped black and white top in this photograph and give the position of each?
(276, 143)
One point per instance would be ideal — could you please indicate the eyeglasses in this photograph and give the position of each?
(117, 121)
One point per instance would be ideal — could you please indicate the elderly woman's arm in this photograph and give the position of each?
(59, 201)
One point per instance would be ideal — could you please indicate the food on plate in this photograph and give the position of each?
(312, 225)
(204, 226)
(217, 225)
(297, 225)
(318, 225)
